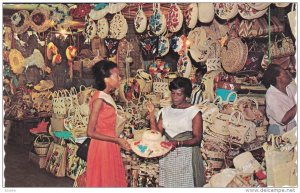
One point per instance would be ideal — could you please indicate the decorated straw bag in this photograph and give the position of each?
(75, 166)
(147, 78)
(245, 105)
(278, 162)
(74, 96)
(282, 47)
(213, 154)
(184, 66)
(68, 99)
(57, 159)
(240, 130)
(157, 21)
(191, 15)
(245, 162)
(208, 81)
(118, 26)
(130, 89)
(175, 18)
(102, 28)
(75, 123)
(160, 85)
(140, 21)
(58, 103)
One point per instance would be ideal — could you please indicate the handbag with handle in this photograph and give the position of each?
(57, 160)
(75, 165)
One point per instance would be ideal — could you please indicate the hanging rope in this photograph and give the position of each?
(269, 33)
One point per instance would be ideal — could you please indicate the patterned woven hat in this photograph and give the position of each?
(206, 12)
(40, 19)
(20, 21)
(118, 26)
(16, 61)
(44, 85)
(226, 10)
(234, 55)
(175, 18)
(157, 21)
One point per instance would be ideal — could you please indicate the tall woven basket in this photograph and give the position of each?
(41, 145)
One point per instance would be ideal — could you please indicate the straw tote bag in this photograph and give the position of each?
(157, 22)
(57, 160)
(58, 103)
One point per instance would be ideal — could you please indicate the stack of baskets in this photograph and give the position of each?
(41, 145)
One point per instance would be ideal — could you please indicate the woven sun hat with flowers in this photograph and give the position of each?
(20, 21)
(151, 145)
(16, 61)
(40, 19)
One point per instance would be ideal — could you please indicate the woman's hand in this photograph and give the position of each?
(150, 107)
(124, 144)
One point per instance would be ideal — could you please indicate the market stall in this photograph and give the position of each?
(49, 50)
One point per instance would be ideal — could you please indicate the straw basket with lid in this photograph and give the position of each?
(41, 144)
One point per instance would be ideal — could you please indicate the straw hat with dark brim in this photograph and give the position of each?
(23, 25)
(39, 19)
(16, 61)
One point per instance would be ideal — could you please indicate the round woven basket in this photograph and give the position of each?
(41, 147)
(234, 55)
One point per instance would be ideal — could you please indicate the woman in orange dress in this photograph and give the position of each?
(104, 162)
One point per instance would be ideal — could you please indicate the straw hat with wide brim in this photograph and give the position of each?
(150, 145)
(259, 6)
(248, 12)
(20, 21)
(226, 11)
(16, 61)
(44, 85)
(206, 12)
(282, 4)
(234, 55)
(40, 19)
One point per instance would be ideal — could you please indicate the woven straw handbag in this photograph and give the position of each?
(160, 85)
(41, 144)
(58, 103)
(240, 130)
(76, 123)
(282, 47)
(68, 99)
(74, 96)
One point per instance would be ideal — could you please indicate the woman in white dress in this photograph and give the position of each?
(181, 123)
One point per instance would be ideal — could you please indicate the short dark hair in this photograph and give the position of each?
(181, 82)
(101, 71)
(270, 75)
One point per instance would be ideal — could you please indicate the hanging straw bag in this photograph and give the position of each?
(58, 103)
(75, 166)
(57, 160)
(146, 78)
(282, 47)
(160, 85)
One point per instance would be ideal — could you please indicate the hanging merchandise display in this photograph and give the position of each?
(118, 26)
(157, 21)
(20, 21)
(191, 15)
(102, 28)
(175, 18)
(40, 19)
(226, 11)
(140, 21)
(206, 12)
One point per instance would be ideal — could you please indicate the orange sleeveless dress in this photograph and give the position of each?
(104, 162)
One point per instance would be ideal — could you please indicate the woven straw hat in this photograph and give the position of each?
(150, 145)
(116, 7)
(248, 12)
(191, 15)
(20, 21)
(234, 55)
(16, 61)
(206, 12)
(44, 85)
(259, 6)
(140, 21)
(40, 19)
(157, 21)
(226, 11)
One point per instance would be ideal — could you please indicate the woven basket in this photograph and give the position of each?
(41, 147)
(214, 159)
